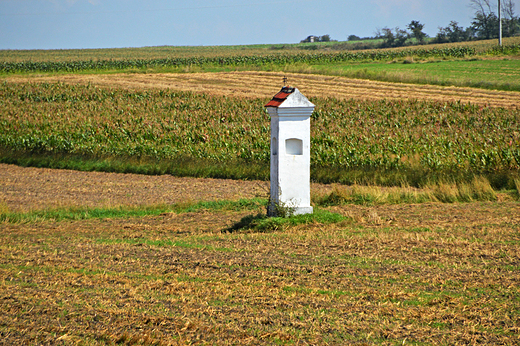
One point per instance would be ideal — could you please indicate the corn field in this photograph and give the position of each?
(44, 119)
(239, 60)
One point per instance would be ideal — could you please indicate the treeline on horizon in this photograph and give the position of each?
(485, 26)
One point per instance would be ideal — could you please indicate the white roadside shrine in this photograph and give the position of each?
(290, 113)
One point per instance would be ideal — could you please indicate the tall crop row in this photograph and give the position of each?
(401, 134)
(312, 58)
(346, 134)
(55, 118)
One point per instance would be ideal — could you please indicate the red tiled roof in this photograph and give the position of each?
(279, 98)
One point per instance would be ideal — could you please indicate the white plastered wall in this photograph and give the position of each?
(290, 173)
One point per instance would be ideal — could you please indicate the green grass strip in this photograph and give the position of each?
(84, 213)
(262, 223)
(240, 205)
(253, 170)
(258, 223)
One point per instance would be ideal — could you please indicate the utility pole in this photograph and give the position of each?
(499, 24)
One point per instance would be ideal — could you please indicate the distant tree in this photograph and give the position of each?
(378, 34)
(511, 23)
(416, 28)
(454, 33)
(485, 21)
(485, 25)
(395, 38)
(388, 37)
(442, 35)
(484, 7)
(400, 37)
(469, 33)
(354, 38)
(325, 38)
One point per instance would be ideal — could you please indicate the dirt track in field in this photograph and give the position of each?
(265, 84)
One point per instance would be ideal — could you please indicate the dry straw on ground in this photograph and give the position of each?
(429, 273)
(264, 84)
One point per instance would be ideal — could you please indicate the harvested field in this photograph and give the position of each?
(394, 274)
(264, 84)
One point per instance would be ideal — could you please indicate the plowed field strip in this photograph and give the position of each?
(25, 189)
(264, 84)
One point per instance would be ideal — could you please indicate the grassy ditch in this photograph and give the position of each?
(85, 213)
(479, 189)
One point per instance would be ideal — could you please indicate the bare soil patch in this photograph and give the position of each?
(24, 189)
(264, 84)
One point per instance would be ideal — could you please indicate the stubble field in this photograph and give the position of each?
(253, 84)
(423, 274)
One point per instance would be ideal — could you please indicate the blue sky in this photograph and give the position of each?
(63, 24)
